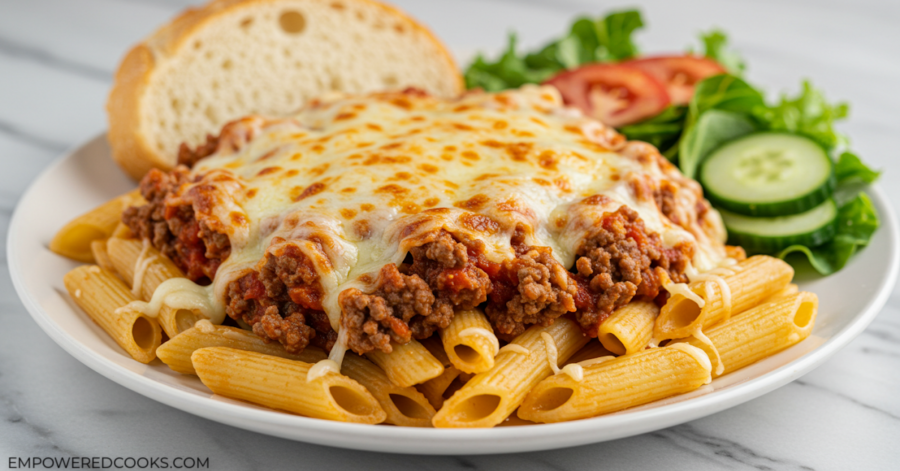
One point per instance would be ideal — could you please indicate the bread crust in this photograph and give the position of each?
(125, 107)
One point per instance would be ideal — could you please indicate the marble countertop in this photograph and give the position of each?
(57, 58)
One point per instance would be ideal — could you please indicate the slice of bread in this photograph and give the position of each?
(232, 58)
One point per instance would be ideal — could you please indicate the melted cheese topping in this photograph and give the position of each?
(484, 333)
(514, 348)
(552, 352)
(699, 335)
(205, 326)
(596, 361)
(322, 368)
(181, 293)
(684, 290)
(576, 370)
(140, 266)
(354, 182)
(698, 355)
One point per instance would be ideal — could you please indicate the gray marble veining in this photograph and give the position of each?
(56, 64)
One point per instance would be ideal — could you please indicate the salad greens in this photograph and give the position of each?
(715, 47)
(605, 39)
(857, 221)
(723, 108)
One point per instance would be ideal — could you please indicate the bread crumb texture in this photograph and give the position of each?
(271, 57)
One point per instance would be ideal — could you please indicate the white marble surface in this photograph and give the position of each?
(56, 63)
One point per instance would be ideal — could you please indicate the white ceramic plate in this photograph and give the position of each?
(87, 177)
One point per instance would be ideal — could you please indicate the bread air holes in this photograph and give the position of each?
(389, 81)
(227, 64)
(292, 22)
(246, 23)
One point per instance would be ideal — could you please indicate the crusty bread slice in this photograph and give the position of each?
(231, 58)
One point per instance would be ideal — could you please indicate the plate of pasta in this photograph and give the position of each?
(506, 269)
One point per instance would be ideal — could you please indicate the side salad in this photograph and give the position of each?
(784, 180)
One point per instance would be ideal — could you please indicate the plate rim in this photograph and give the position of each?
(447, 441)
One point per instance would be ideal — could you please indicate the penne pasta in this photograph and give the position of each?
(282, 384)
(593, 349)
(469, 341)
(74, 239)
(437, 390)
(514, 420)
(761, 332)
(103, 297)
(404, 406)
(435, 347)
(490, 397)
(787, 291)
(145, 268)
(629, 328)
(176, 353)
(98, 249)
(617, 384)
(141, 265)
(408, 364)
(122, 232)
(744, 285)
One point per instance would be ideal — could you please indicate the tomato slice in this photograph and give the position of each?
(679, 74)
(615, 94)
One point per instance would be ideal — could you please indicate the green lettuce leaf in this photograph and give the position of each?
(714, 128)
(857, 221)
(589, 40)
(509, 71)
(723, 92)
(715, 47)
(849, 168)
(662, 130)
(808, 114)
(614, 35)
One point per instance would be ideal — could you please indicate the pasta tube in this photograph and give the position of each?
(98, 249)
(629, 328)
(101, 295)
(626, 381)
(762, 331)
(434, 346)
(490, 397)
(469, 341)
(176, 353)
(141, 265)
(74, 239)
(744, 285)
(593, 349)
(282, 384)
(146, 268)
(437, 390)
(403, 406)
(408, 364)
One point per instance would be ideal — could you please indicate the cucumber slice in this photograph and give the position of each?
(769, 235)
(768, 174)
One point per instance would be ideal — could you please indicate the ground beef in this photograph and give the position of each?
(278, 304)
(373, 320)
(290, 273)
(620, 260)
(148, 221)
(414, 304)
(175, 231)
(533, 288)
(444, 264)
(189, 158)
(665, 201)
